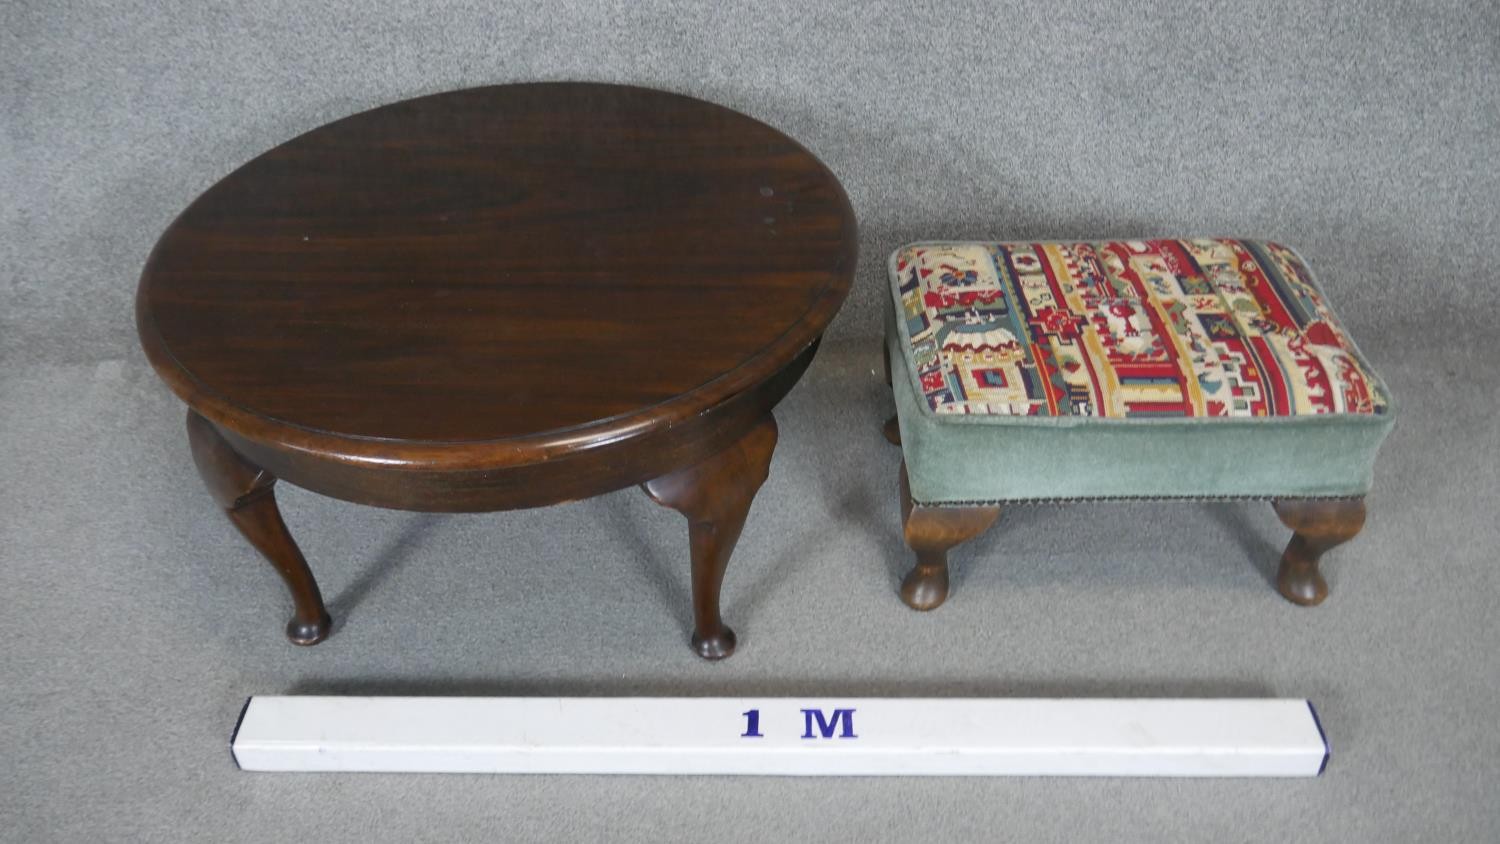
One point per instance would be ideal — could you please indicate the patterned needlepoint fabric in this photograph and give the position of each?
(1126, 329)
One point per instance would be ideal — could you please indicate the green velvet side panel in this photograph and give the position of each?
(951, 459)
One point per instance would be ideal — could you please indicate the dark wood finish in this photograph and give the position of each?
(569, 477)
(1317, 525)
(892, 427)
(500, 298)
(892, 430)
(248, 495)
(527, 270)
(931, 532)
(715, 496)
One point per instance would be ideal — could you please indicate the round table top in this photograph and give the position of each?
(554, 265)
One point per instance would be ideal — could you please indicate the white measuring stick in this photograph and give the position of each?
(783, 736)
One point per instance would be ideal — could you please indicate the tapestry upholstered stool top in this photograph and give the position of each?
(1203, 369)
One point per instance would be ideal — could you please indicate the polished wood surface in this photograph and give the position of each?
(572, 476)
(498, 298)
(931, 532)
(1317, 526)
(715, 496)
(528, 269)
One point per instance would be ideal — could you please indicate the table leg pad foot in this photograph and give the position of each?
(716, 646)
(309, 633)
(925, 587)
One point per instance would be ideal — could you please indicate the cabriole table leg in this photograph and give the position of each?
(1317, 526)
(715, 496)
(247, 494)
(931, 532)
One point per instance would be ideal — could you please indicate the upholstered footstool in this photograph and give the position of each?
(1163, 369)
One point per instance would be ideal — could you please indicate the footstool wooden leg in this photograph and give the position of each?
(247, 494)
(931, 531)
(892, 429)
(1317, 525)
(715, 497)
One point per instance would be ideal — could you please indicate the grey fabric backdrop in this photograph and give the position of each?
(134, 621)
(1362, 132)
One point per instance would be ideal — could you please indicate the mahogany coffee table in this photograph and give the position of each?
(496, 299)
